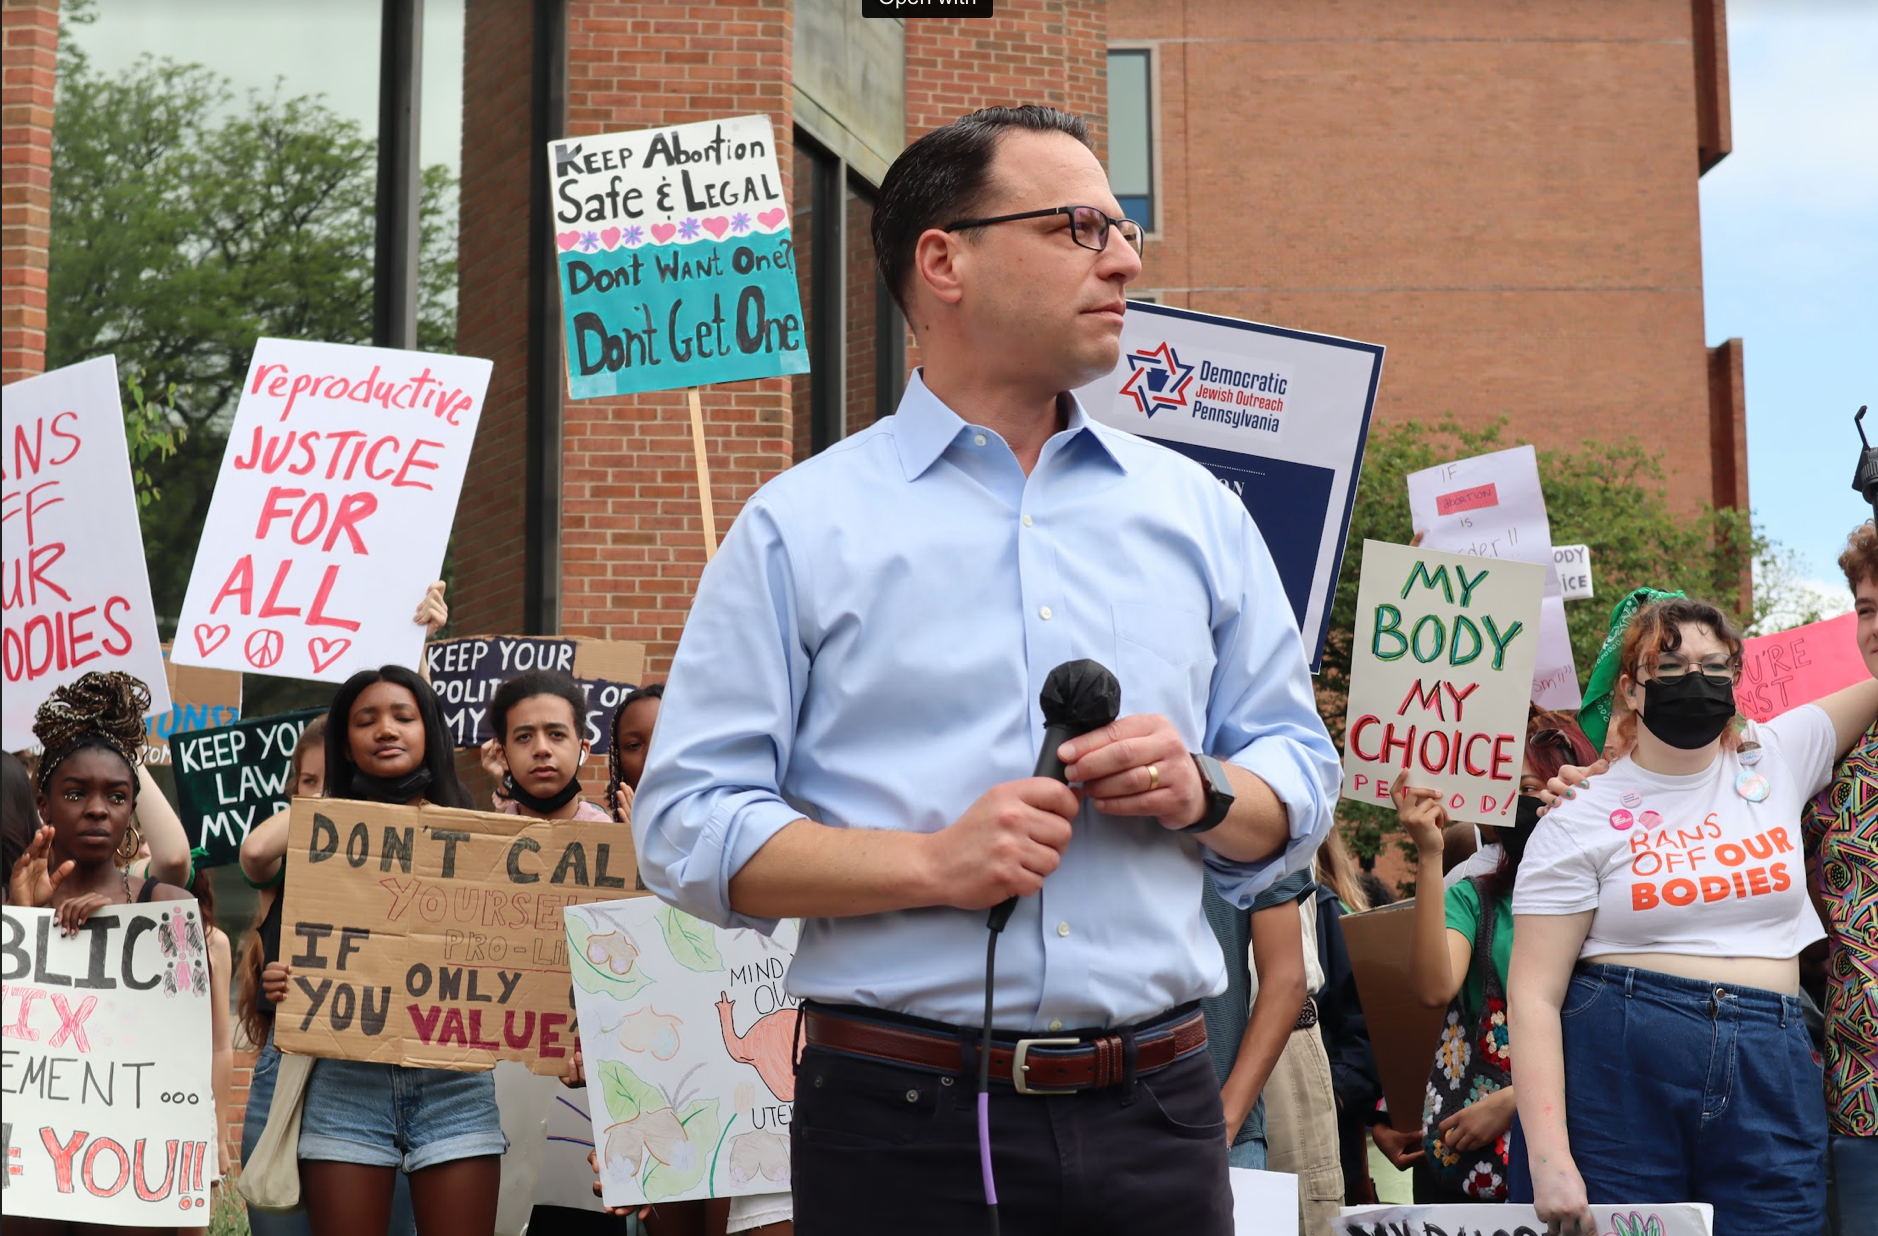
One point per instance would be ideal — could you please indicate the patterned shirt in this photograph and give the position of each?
(1841, 827)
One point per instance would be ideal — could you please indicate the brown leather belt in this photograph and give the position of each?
(1040, 1065)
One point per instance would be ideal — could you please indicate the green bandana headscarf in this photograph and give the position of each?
(1594, 715)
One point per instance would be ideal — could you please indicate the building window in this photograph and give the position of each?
(1131, 134)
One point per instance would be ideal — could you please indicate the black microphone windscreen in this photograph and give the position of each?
(1080, 696)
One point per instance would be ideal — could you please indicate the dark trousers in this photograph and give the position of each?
(885, 1148)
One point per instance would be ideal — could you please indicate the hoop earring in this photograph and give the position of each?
(129, 844)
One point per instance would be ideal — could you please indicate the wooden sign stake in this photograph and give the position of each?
(704, 475)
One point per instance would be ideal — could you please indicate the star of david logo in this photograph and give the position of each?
(1157, 379)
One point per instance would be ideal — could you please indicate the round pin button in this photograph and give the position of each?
(1750, 754)
(1621, 820)
(1751, 786)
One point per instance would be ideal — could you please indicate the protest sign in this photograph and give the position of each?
(1491, 506)
(200, 699)
(331, 510)
(1263, 1203)
(1438, 634)
(467, 672)
(1791, 668)
(1379, 941)
(230, 779)
(1475, 1219)
(689, 1045)
(110, 1111)
(1573, 563)
(432, 938)
(676, 263)
(76, 593)
(1279, 417)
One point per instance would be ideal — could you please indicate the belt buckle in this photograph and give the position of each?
(1019, 1067)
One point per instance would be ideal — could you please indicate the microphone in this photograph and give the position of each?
(1077, 697)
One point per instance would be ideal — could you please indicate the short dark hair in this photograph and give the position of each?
(943, 176)
(529, 684)
(653, 691)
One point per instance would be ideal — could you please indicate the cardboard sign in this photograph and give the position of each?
(467, 672)
(76, 592)
(1796, 667)
(200, 699)
(230, 779)
(1279, 416)
(689, 1044)
(331, 511)
(1667, 1219)
(1573, 564)
(1491, 506)
(432, 938)
(676, 264)
(1439, 673)
(110, 1111)
(1263, 1203)
(1379, 942)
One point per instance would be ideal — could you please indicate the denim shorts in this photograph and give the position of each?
(388, 1116)
(1679, 1088)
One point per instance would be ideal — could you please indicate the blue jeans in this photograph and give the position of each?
(1676, 1088)
(260, 1099)
(1854, 1186)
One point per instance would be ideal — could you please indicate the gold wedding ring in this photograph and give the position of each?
(1154, 778)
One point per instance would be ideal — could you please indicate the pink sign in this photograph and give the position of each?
(1795, 667)
(1477, 498)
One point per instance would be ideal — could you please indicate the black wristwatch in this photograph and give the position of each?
(1218, 794)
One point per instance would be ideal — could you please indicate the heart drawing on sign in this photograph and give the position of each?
(609, 236)
(209, 638)
(772, 218)
(662, 232)
(325, 651)
(717, 226)
(567, 240)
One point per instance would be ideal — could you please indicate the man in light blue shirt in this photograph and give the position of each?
(852, 718)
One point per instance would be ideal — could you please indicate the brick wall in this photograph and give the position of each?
(1505, 195)
(31, 32)
(631, 528)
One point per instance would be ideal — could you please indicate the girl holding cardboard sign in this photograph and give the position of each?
(1658, 918)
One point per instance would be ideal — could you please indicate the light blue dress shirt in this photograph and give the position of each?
(867, 648)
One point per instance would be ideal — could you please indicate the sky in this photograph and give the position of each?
(1789, 218)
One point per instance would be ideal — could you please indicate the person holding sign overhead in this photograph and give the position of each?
(386, 742)
(1658, 918)
(852, 720)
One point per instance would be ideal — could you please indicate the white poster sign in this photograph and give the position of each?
(1263, 1203)
(76, 593)
(1491, 506)
(688, 1041)
(1573, 563)
(110, 1115)
(332, 509)
(1439, 673)
(1279, 416)
(1667, 1219)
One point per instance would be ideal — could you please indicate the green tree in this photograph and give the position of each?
(1611, 496)
(186, 224)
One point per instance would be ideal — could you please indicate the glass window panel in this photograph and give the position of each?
(1131, 160)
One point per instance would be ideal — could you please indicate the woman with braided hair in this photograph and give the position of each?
(92, 731)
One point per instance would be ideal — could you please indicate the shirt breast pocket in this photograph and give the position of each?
(1164, 659)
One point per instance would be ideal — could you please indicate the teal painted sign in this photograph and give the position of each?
(675, 258)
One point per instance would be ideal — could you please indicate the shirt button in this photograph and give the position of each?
(1026, 521)
(1062, 929)
(978, 439)
(1056, 1024)
(1044, 613)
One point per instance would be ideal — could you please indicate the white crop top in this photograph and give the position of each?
(1688, 865)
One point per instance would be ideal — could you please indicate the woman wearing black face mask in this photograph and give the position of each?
(1658, 916)
(1462, 942)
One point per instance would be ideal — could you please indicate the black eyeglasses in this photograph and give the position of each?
(1088, 226)
(1715, 668)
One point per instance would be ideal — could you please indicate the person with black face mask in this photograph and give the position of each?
(1463, 939)
(540, 722)
(1657, 920)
